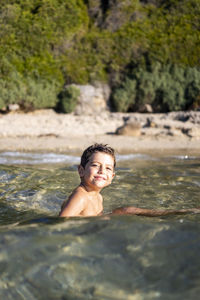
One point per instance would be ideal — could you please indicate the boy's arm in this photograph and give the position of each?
(74, 206)
(131, 210)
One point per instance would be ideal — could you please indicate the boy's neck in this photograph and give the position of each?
(88, 189)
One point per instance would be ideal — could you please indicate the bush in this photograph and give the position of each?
(41, 94)
(123, 98)
(68, 99)
(28, 92)
(166, 88)
(192, 93)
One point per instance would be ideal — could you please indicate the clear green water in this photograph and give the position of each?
(120, 257)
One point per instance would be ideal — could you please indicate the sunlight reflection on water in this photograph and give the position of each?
(45, 257)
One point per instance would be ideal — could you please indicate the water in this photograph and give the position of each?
(119, 257)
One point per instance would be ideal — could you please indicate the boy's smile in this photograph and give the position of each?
(98, 172)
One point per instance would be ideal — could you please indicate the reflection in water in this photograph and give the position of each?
(46, 257)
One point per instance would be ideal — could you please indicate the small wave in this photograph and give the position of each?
(122, 157)
(20, 158)
(184, 157)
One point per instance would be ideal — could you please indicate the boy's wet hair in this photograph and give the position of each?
(97, 148)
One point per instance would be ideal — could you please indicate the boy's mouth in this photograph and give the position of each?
(100, 178)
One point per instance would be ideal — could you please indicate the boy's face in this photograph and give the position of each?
(98, 172)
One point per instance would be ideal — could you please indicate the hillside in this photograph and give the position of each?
(146, 51)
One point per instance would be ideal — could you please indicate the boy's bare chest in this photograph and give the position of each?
(93, 208)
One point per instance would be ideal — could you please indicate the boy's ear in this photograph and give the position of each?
(80, 170)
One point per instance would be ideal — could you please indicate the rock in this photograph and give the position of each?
(174, 132)
(146, 108)
(185, 116)
(192, 132)
(3, 109)
(112, 14)
(13, 107)
(150, 123)
(130, 129)
(93, 99)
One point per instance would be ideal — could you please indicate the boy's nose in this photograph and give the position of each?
(101, 169)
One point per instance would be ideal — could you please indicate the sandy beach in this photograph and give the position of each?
(48, 131)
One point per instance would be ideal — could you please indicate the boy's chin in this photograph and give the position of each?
(101, 184)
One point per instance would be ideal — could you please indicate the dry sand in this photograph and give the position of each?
(47, 131)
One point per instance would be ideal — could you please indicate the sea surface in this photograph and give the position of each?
(108, 257)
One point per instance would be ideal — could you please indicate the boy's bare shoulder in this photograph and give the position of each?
(77, 189)
(79, 193)
(75, 204)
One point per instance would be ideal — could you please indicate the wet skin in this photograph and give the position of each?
(86, 199)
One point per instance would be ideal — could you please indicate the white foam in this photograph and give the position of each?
(184, 157)
(20, 158)
(122, 157)
(36, 158)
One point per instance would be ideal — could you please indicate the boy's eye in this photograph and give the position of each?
(109, 169)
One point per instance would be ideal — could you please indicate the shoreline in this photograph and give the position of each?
(122, 145)
(46, 131)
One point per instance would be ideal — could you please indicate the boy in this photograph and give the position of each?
(96, 171)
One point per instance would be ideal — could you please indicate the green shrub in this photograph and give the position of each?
(123, 98)
(180, 88)
(28, 92)
(166, 88)
(41, 94)
(68, 99)
(192, 92)
(2, 104)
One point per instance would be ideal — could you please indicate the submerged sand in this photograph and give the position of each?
(48, 131)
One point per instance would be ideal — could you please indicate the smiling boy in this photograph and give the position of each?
(96, 171)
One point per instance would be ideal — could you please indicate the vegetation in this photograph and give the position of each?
(166, 88)
(146, 52)
(28, 93)
(34, 36)
(68, 99)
